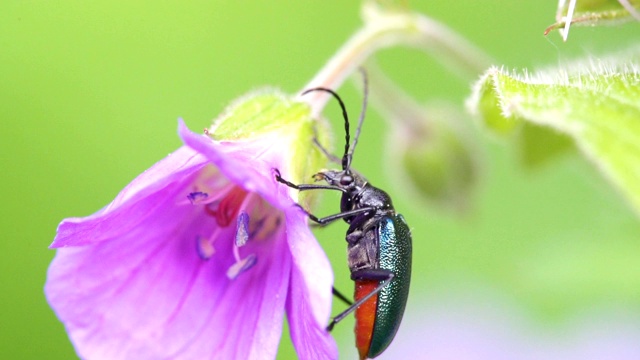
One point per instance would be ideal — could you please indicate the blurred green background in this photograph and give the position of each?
(90, 96)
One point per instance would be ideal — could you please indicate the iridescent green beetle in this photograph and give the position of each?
(379, 247)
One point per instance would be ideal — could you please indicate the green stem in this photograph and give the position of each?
(384, 29)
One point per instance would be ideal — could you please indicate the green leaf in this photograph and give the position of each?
(259, 113)
(277, 118)
(593, 105)
(438, 160)
(595, 12)
(538, 144)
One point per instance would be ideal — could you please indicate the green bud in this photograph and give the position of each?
(437, 159)
(434, 159)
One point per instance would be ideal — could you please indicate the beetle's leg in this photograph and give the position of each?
(327, 219)
(303, 187)
(371, 274)
(339, 295)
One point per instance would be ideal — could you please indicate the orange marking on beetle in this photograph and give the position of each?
(365, 315)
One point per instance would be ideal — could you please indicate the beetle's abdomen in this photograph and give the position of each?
(365, 315)
(395, 256)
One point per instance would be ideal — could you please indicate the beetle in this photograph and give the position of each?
(379, 245)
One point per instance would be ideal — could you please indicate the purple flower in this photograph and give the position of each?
(198, 258)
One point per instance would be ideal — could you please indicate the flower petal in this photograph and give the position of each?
(148, 295)
(248, 163)
(309, 298)
(115, 220)
(310, 339)
(142, 290)
(312, 265)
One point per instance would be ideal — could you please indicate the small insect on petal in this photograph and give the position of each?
(197, 197)
(205, 248)
(241, 266)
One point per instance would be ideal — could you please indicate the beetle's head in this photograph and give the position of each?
(345, 179)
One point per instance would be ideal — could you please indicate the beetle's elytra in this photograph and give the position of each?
(378, 246)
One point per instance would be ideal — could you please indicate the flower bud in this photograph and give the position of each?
(437, 162)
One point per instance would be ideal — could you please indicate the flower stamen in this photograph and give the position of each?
(205, 248)
(241, 266)
(242, 230)
(228, 207)
(197, 197)
(241, 239)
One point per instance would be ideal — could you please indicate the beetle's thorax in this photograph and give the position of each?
(357, 193)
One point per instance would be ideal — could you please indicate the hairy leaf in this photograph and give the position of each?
(593, 105)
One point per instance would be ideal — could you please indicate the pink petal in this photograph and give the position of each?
(309, 298)
(310, 338)
(311, 263)
(158, 185)
(141, 291)
(148, 295)
(233, 159)
(309, 258)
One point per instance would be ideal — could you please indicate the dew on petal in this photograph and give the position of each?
(241, 266)
(242, 230)
(205, 248)
(197, 197)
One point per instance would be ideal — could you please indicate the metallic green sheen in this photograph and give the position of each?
(394, 255)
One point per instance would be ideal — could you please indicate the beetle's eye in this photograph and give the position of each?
(346, 180)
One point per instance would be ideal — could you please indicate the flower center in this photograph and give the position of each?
(228, 207)
(256, 220)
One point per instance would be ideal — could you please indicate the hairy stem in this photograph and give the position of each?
(384, 29)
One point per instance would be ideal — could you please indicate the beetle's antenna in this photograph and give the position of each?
(346, 158)
(365, 81)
